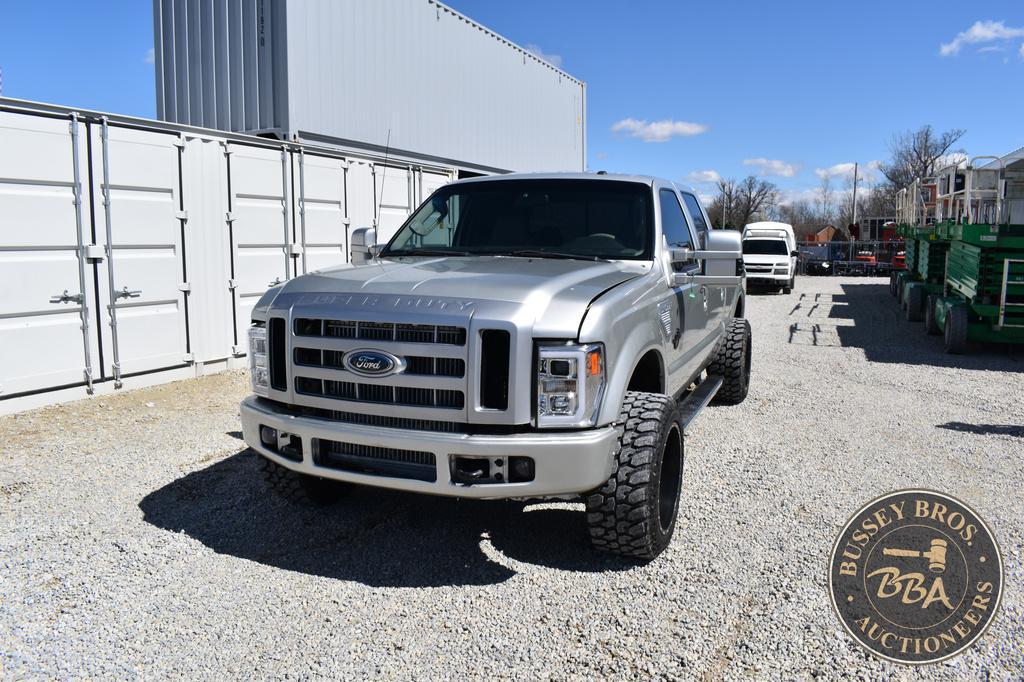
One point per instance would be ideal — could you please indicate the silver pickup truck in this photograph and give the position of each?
(520, 336)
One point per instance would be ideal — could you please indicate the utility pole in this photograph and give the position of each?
(855, 165)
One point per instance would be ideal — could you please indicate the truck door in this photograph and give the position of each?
(720, 298)
(688, 302)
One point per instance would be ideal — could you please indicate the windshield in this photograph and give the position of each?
(765, 247)
(556, 218)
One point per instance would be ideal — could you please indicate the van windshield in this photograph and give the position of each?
(765, 247)
(555, 218)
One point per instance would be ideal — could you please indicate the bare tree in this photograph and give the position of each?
(825, 201)
(738, 202)
(915, 153)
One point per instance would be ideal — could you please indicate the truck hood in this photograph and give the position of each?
(550, 295)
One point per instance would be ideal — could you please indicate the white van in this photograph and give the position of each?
(769, 255)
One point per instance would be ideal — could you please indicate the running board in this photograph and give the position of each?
(691, 405)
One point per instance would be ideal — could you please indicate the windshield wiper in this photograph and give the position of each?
(540, 253)
(425, 252)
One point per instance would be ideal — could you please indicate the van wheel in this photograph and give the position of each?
(634, 513)
(892, 284)
(311, 491)
(732, 363)
(956, 330)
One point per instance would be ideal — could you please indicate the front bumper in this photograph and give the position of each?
(767, 277)
(566, 463)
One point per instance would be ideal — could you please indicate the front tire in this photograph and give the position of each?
(732, 363)
(311, 491)
(634, 513)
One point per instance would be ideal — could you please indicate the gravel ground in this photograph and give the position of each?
(136, 539)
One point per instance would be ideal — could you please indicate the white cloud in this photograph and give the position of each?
(552, 59)
(703, 177)
(773, 167)
(840, 170)
(150, 56)
(992, 48)
(657, 131)
(980, 32)
(1022, 50)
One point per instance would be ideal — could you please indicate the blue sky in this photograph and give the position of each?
(788, 90)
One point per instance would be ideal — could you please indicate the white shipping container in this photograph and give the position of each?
(414, 77)
(132, 251)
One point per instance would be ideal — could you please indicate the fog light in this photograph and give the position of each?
(520, 469)
(268, 436)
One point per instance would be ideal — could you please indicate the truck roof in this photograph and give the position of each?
(620, 177)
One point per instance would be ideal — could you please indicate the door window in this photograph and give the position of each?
(693, 206)
(675, 227)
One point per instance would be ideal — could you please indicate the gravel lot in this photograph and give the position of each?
(136, 539)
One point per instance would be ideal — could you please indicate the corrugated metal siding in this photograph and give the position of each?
(217, 63)
(351, 72)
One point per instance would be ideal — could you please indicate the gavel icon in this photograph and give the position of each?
(936, 555)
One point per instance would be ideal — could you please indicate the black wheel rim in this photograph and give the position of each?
(671, 479)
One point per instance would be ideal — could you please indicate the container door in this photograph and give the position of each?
(323, 219)
(359, 195)
(393, 193)
(47, 336)
(139, 220)
(261, 226)
(430, 182)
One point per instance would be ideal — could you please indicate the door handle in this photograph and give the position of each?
(125, 293)
(67, 298)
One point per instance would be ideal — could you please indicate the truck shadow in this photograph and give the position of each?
(866, 316)
(377, 537)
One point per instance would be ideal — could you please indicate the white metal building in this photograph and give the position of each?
(413, 76)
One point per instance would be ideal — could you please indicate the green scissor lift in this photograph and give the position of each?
(981, 297)
(923, 247)
(925, 276)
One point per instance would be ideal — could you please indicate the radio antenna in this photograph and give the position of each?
(383, 177)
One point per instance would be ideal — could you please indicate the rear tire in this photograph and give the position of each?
(303, 489)
(732, 363)
(931, 325)
(915, 303)
(901, 285)
(634, 513)
(956, 330)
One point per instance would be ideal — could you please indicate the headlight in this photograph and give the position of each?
(259, 373)
(570, 383)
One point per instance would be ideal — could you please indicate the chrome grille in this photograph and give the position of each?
(431, 386)
(415, 364)
(381, 331)
(378, 393)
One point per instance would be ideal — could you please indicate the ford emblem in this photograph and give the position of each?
(373, 363)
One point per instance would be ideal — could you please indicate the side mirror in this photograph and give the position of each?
(721, 259)
(363, 246)
(795, 254)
